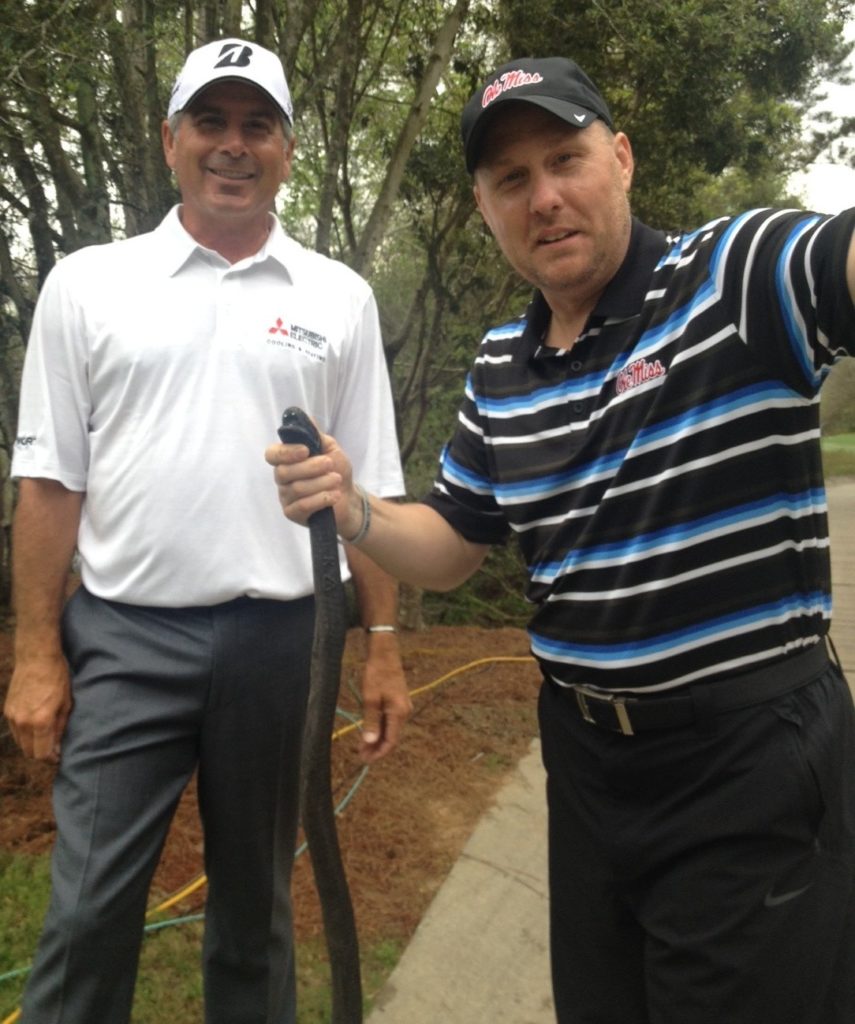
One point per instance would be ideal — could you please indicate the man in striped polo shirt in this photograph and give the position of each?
(649, 431)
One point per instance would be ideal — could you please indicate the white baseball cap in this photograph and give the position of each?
(231, 60)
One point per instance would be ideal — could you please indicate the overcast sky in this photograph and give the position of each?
(827, 187)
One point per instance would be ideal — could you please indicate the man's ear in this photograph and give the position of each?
(290, 146)
(477, 193)
(623, 152)
(168, 141)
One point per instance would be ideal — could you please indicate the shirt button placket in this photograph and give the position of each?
(577, 407)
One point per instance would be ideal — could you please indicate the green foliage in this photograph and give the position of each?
(702, 87)
(711, 93)
(493, 597)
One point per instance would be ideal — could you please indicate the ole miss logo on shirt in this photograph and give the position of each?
(638, 373)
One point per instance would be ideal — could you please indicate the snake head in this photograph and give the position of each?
(297, 428)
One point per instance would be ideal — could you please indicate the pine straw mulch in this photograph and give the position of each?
(406, 823)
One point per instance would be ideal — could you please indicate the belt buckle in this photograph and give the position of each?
(618, 704)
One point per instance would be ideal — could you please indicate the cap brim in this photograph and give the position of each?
(574, 115)
(233, 78)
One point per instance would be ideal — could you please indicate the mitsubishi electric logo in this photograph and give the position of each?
(299, 339)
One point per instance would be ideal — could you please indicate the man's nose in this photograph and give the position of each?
(233, 141)
(544, 195)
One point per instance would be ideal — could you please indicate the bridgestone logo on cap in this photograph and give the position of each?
(509, 80)
(230, 57)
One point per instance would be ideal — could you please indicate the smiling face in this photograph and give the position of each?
(230, 155)
(556, 200)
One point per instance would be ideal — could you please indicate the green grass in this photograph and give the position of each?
(24, 886)
(169, 986)
(838, 455)
(313, 995)
(839, 443)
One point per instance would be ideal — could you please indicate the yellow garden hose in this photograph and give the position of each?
(200, 880)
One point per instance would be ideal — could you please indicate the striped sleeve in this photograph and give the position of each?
(782, 275)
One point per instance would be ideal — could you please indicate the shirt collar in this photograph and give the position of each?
(622, 297)
(180, 246)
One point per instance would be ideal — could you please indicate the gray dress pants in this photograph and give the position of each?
(159, 693)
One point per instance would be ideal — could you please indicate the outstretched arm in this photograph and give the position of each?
(412, 542)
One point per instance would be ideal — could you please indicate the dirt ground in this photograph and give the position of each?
(409, 818)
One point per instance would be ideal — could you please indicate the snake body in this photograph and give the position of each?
(316, 799)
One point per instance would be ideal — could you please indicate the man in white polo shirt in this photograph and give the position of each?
(187, 646)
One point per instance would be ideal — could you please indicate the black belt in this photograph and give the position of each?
(629, 715)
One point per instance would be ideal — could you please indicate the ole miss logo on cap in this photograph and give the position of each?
(509, 80)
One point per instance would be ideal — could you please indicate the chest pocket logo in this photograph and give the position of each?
(637, 373)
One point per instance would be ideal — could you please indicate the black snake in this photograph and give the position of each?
(316, 800)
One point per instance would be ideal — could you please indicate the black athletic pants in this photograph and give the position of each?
(704, 875)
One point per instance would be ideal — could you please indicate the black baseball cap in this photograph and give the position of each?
(556, 84)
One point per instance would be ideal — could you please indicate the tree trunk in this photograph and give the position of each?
(143, 169)
(37, 206)
(345, 55)
(381, 212)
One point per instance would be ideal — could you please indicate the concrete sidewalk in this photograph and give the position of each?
(481, 954)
